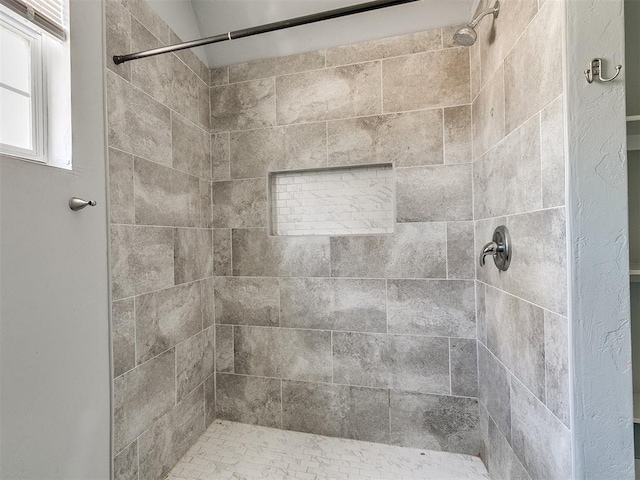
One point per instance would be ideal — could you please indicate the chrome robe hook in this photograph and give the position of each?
(595, 68)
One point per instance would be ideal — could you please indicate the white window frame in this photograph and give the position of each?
(38, 91)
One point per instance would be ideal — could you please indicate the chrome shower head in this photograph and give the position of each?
(467, 35)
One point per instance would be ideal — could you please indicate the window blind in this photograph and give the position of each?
(50, 15)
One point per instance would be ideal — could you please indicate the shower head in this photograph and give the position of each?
(467, 35)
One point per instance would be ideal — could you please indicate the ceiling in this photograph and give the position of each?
(192, 19)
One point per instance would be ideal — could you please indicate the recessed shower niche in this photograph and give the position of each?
(333, 201)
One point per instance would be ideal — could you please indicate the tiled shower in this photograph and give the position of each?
(394, 337)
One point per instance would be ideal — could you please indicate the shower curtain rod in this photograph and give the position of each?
(269, 27)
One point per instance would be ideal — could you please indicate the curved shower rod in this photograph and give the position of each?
(269, 27)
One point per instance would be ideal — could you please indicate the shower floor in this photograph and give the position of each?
(248, 452)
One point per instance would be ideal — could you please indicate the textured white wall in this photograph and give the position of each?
(598, 242)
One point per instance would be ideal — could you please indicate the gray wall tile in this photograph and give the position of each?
(141, 396)
(194, 361)
(141, 259)
(300, 62)
(134, 115)
(448, 197)
(464, 367)
(481, 317)
(488, 115)
(419, 364)
(384, 48)
(168, 440)
(427, 80)
(336, 410)
(193, 254)
(121, 203)
(539, 439)
(224, 348)
(254, 153)
(406, 139)
(494, 390)
(552, 155)
(413, 251)
(435, 422)
(151, 75)
(218, 76)
(143, 12)
(204, 105)
(529, 90)
(125, 464)
(184, 91)
(210, 400)
(515, 334)
(190, 147)
(221, 251)
(208, 307)
(165, 318)
(118, 36)
(283, 353)
(503, 463)
(249, 400)
(507, 178)
(457, 134)
(333, 304)
(461, 255)
(255, 253)
(329, 94)
(247, 301)
(242, 106)
(164, 196)
(206, 207)
(432, 307)
(220, 167)
(190, 59)
(556, 345)
(252, 70)
(123, 336)
(240, 203)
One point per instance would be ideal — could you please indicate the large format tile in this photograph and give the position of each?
(242, 106)
(221, 251)
(247, 301)
(556, 349)
(406, 139)
(218, 76)
(165, 318)
(432, 307)
(206, 207)
(254, 153)
(419, 364)
(434, 193)
(152, 75)
(515, 334)
(270, 67)
(457, 134)
(193, 254)
(528, 84)
(240, 203)
(141, 396)
(224, 348)
(333, 304)
(488, 115)
(250, 400)
(133, 115)
(191, 148)
(494, 392)
(503, 464)
(506, 180)
(141, 259)
(125, 464)
(414, 251)
(283, 353)
(191, 60)
(220, 166)
(194, 361)
(255, 253)
(461, 254)
(164, 196)
(210, 400)
(168, 440)
(123, 336)
(427, 80)
(208, 314)
(464, 366)
(385, 48)
(552, 155)
(150, 19)
(340, 92)
(435, 422)
(539, 439)
(184, 91)
(117, 36)
(121, 203)
(336, 410)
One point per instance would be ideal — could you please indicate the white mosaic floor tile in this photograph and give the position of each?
(229, 450)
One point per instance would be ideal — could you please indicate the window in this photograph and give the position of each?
(35, 97)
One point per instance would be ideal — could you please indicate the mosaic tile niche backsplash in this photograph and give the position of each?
(336, 201)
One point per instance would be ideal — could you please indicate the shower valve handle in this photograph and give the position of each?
(499, 248)
(490, 249)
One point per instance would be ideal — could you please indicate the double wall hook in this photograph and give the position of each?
(595, 68)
